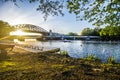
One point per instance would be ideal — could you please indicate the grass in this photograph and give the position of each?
(5, 64)
(65, 53)
(91, 57)
(111, 60)
(23, 65)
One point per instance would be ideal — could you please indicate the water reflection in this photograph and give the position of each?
(79, 49)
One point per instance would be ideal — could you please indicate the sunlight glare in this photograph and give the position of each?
(21, 33)
(18, 32)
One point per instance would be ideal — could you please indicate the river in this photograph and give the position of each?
(79, 49)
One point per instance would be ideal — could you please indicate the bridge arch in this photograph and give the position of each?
(31, 28)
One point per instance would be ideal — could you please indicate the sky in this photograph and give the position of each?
(26, 14)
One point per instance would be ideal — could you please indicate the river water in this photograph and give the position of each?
(79, 49)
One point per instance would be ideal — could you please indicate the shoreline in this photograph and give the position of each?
(22, 64)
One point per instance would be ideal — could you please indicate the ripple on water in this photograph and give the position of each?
(78, 49)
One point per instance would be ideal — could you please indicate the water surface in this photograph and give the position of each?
(79, 49)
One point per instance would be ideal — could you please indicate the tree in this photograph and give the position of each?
(5, 29)
(100, 12)
(87, 32)
(110, 33)
(96, 31)
(72, 34)
(91, 32)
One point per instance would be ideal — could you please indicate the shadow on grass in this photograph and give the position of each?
(4, 55)
(53, 66)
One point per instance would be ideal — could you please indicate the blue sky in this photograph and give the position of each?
(27, 14)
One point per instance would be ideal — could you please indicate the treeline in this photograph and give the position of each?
(107, 33)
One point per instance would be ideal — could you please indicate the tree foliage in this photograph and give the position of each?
(86, 32)
(110, 33)
(72, 34)
(99, 12)
(91, 32)
(5, 29)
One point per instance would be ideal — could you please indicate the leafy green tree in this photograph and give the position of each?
(5, 29)
(87, 32)
(99, 12)
(72, 34)
(96, 31)
(91, 32)
(110, 33)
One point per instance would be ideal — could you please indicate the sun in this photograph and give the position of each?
(18, 32)
(21, 33)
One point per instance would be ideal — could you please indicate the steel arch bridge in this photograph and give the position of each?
(31, 28)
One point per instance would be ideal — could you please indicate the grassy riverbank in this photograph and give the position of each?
(22, 65)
